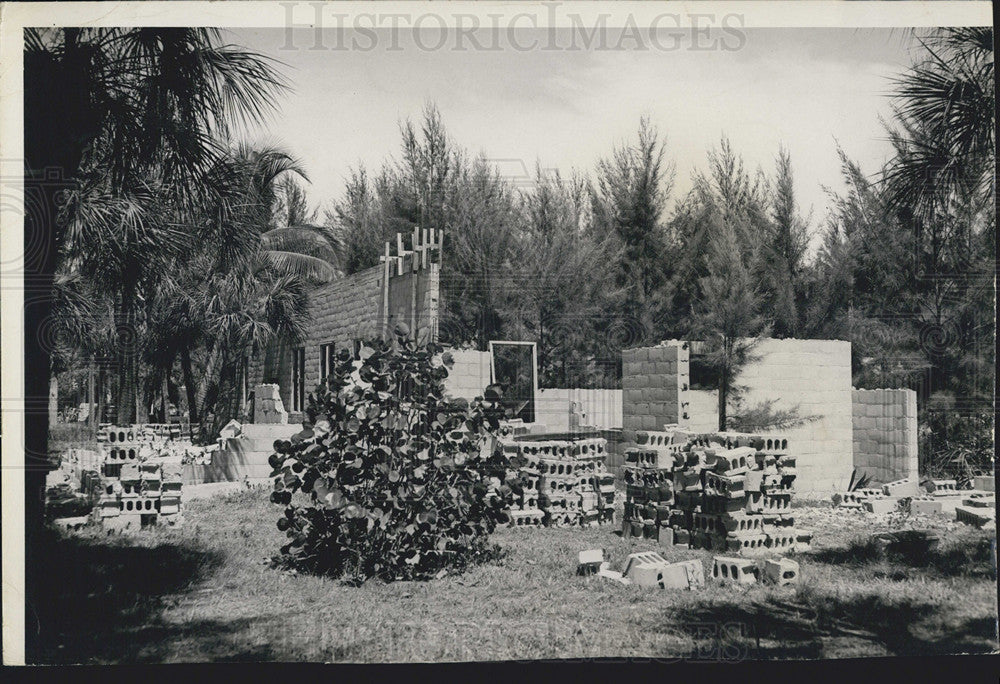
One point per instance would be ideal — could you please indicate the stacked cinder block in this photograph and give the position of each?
(139, 487)
(649, 475)
(724, 492)
(566, 483)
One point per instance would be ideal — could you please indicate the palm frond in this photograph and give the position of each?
(312, 269)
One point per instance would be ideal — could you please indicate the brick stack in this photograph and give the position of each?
(724, 492)
(649, 473)
(139, 487)
(566, 483)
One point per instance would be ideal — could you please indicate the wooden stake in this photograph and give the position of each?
(400, 251)
(385, 291)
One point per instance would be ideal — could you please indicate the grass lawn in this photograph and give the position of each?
(204, 593)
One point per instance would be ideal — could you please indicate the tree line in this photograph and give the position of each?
(180, 254)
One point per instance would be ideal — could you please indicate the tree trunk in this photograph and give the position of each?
(723, 396)
(214, 358)
(189, 388)
(53, 399)
(141, 403)
(127, 391)
(165, 393)
(91, 396)
(101, 397)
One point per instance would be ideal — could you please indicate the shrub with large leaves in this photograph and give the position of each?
(389, 478)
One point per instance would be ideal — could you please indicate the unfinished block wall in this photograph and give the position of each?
(654, 391)
(599, 408)
(885, 433)
(469, 375)
(350, 309)
(654, 386)
(815, 376)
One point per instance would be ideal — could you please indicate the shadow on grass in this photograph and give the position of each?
(825, 626)
(103, 601)
(971, 558)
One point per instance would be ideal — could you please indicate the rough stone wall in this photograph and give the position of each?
(885, 433)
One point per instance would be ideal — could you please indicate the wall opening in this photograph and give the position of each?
(515, 368)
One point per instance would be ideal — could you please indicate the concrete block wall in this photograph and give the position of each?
(816, 376)
(600, 408)
(885, 433)
(350, 309)
(469, 375)
(703, 411)
(426, 295)
(655, 386)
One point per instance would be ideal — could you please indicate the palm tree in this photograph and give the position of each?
(141, 103)
(243, 283)
(946, 109)
(140, 112)
(942, 184)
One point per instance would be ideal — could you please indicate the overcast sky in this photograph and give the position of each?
(804, 88)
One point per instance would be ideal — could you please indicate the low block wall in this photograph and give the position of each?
(599, 408)
(244, 456)
(885, 433)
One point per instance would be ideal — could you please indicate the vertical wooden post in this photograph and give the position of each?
(91, 396)
(414, 274)
(165, 392)
(385, 292)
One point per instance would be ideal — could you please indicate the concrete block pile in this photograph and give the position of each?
(651, 570)
(935, 497)
(566, 483)
(723, 492)
(140, 482)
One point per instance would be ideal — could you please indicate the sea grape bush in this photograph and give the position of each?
(389, 478)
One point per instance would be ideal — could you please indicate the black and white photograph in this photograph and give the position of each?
(474, 332)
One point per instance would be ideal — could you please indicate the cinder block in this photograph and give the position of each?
(905, 487)
(986, 483)
(739, 570)
(980, 502)
(881, 506)
(974, 516)
(687, 574)
(803, 540)
(781, 571)
(589, 562)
